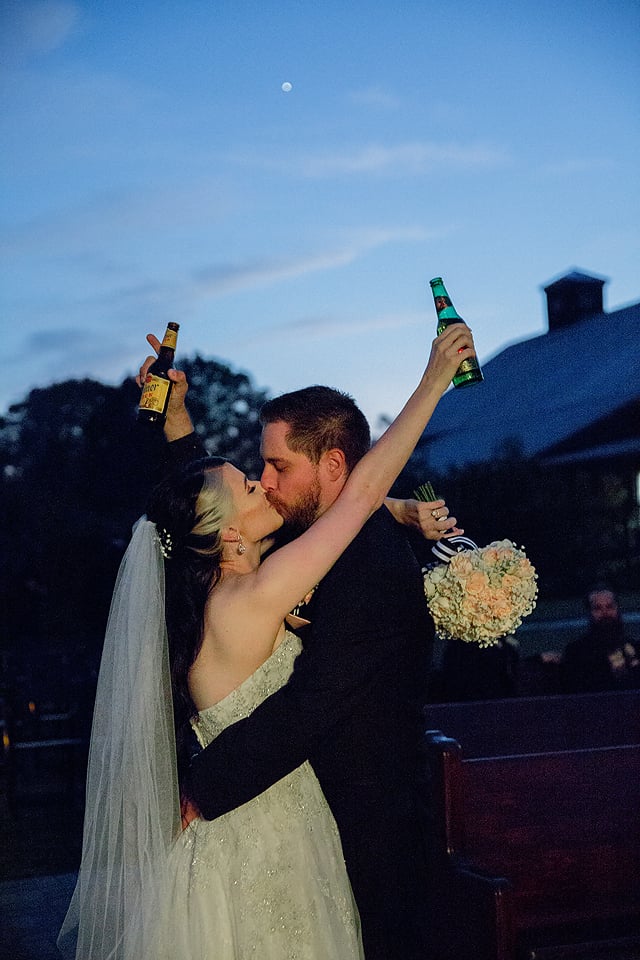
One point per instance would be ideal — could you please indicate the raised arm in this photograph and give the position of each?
(292, 571)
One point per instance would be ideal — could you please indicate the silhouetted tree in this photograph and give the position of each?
(75, 472)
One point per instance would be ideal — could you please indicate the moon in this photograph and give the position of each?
(287, 87)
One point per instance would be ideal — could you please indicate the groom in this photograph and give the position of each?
(353, 704)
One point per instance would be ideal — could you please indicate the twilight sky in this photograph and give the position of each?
(154, 169)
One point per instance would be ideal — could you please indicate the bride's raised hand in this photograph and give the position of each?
(448, 350)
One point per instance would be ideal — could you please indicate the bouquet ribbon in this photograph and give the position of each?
(443, 549)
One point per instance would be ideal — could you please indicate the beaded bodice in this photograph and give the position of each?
(268, 678)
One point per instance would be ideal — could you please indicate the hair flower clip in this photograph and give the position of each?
(166, 542)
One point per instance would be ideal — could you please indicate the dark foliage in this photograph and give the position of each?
(75, 472)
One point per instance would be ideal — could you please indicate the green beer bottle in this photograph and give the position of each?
(469, 370)
(156, 388)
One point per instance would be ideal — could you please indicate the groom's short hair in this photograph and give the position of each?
(320, 419)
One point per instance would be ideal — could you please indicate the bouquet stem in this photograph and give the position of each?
(425, 493)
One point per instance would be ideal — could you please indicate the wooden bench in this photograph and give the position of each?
(489, 728)
(537, 855)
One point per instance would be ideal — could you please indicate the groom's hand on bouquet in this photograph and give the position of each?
(430, 519)
(178, 423)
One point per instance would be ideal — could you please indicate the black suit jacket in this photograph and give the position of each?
(352, 707)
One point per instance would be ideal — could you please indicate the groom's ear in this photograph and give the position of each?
(334, 465)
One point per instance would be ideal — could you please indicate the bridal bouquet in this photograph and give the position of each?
(479, 594)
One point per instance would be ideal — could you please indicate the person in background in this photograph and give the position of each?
(604, 658)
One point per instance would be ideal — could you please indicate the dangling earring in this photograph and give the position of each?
(241, 547)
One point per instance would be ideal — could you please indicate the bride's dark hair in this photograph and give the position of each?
(189, 508)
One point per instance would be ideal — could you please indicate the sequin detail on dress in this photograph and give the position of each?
(266, 881)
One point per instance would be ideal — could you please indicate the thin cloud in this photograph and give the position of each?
(72, 352)
(170, 294)
(414, 158)
(52, 341)
(220, 279)
(404, 158)
(76, 229)
(327, 327)
(375, 97)
(577, 165)
(33, 29)
(228, 278)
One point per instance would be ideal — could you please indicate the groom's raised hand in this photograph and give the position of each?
(178, 423)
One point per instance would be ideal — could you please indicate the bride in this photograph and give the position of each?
(197, 639)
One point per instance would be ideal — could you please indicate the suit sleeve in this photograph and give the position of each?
(185, 450)
(349, 647)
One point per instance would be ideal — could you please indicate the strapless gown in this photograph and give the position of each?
(266, 881)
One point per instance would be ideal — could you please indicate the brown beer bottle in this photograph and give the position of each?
(469, 370)
(156, 388)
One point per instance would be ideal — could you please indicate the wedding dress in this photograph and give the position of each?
(267, 880)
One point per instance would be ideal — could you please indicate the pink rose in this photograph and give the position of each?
(461, 565)
(490, 555)
(500, 605)
(524, 569)
(510, 582)
(477, 582)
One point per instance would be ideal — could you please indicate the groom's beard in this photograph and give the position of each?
(299, 515)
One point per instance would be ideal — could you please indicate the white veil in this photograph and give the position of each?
(132, 800)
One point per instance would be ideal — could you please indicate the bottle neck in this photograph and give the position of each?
(170, 339)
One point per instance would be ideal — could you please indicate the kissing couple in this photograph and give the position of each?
(304, 830)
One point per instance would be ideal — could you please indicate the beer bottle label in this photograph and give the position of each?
(470, 365)
(442, 303)
(170, 339)
(154, 393)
